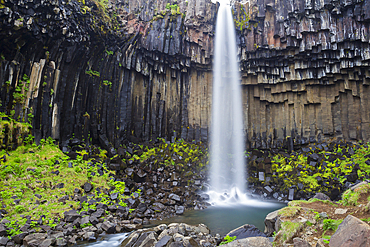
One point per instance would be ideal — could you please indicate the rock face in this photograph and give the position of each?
(147, 72)
(351, 232)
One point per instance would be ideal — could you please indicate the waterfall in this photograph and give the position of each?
(228, 172)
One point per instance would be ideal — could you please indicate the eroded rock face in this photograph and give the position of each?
(148, 73)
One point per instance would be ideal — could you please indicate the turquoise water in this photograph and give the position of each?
(224, 219)
(219, 219)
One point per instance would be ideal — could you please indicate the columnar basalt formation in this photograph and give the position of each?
(137, 70)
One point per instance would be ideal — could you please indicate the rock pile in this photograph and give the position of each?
(175, 234)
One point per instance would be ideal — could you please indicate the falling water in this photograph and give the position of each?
(228, 183)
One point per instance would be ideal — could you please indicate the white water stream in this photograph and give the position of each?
(228, 170)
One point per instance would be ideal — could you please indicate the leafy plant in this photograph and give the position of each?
(228, 239)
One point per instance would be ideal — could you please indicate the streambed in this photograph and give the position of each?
(219, 219)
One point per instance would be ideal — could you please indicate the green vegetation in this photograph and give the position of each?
(330, 224)
(228, 239)
(107, 83)
(350, 198)
(332, 166)
(241, 19)
(12, 131)
(289, 229)
(31, 170)
(92, 73)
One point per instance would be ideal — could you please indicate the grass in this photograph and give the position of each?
(28, 171)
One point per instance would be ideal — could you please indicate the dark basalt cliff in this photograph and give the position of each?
(136, 70)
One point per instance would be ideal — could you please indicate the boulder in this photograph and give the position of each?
(298, 242)
(34, 239)
(71, 215)
(246, 231)
(164, 241)
(322, 196)
(4, 240)
(352, 232)
(108, 227)
(270, 221)
(250, 242)
(18, 239)
(87, 187)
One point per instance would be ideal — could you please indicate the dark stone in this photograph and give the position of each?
(87, 187)
(99, 213)
(71, 215)
(114, 196)
(60, 186)
(141, 208)
(4, 240)
(18, 239)
(164, 241)
(94, 220)
(108, 227)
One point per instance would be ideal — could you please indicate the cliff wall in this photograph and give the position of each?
(110, 71)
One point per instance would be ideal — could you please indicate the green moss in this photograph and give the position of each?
(289, 211)
(289, 230)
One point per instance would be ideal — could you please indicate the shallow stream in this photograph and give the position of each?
(219, 219)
